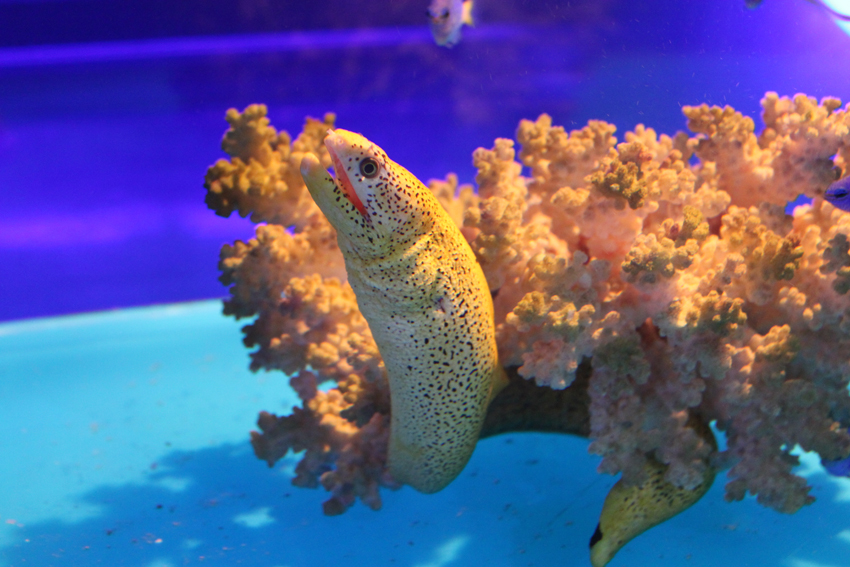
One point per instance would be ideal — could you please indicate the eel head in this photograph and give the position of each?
(370, 200)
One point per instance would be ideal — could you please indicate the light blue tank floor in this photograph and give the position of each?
(124, 438)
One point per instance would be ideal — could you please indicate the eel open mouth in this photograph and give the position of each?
(334, 141)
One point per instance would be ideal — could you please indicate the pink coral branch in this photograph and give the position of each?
(645, 293)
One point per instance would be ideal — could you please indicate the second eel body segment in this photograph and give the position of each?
(427, 302)
(631, 510)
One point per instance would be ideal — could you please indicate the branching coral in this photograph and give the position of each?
(262, 177)
(658, 291)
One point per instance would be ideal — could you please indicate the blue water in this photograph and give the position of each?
(125, 442)
(124, 433)
(110, 113)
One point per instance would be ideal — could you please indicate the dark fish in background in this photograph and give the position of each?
(837, 468)
(753, 4)
(839, 194)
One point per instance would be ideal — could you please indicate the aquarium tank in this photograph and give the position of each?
(425, 283)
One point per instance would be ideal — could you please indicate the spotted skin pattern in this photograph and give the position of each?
(426, 300)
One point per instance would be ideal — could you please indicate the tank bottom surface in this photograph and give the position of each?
(125, 442)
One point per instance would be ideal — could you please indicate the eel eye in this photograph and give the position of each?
(369, 168)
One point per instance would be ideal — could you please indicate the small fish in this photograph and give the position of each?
(837, 468)
(839, 194)
(447, 17)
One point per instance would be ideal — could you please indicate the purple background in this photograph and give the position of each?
(110, 112)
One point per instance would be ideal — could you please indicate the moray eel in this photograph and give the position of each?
(631, 510)
(426, 301)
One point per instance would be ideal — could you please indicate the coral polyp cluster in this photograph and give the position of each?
(660, 275)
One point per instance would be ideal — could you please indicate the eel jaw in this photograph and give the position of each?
(334, 142)
(318, 181)
(324, 190)
(312, 171)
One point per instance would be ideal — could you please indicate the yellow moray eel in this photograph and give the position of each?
(631, 510)
(426, 300)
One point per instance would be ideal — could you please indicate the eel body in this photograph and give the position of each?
(427, 302)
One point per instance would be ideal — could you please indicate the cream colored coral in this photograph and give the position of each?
(291, 277)
(791, 156)
(455, 198)
(262, 177)
(667, 263)
(495, 223)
